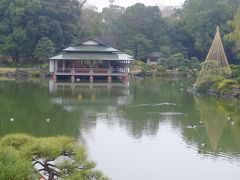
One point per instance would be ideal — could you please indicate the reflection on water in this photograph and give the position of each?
(150, 129)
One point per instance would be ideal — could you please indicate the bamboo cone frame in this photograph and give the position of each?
(216, 62)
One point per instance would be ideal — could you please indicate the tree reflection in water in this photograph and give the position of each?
(140, 108)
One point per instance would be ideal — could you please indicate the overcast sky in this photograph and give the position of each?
(104, 3)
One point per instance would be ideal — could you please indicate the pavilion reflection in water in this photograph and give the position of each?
(87, 93)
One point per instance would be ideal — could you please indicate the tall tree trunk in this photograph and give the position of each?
(17, 57)
(13, 59)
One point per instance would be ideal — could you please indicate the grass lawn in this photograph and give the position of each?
(4, 70)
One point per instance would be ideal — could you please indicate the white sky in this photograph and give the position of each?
(125, 3)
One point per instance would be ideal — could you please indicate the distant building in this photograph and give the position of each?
(153, 58)
(91, 7)
(168, 11)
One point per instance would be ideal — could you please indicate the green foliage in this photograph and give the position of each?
(111, 17)
(58, 157)
(226, 87)
(209, 82)
(137, 30)
(90, 23)
(13, 166)
(226, 83)
(235, 71)
(23, 23)
(44, 49)
(238, 80)
(220, 86)
(199, 20)
(140, 45)
(194, 63)
(234, 35)
(17, 141)
(178, 61)
(161, 68)
(141, 29)
(144, 66)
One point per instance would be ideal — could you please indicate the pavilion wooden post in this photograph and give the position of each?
(91, 79)
(73, 75)
(63, 65)
(55, 66)
(54, 77)
(109, 79)
(72, 79)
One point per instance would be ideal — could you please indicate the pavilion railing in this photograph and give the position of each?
(90, 70)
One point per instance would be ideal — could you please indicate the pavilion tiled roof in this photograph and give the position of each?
(91, 50)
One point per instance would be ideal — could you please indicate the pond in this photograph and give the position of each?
(147, 129)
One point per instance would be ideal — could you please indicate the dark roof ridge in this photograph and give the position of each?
(91, 39)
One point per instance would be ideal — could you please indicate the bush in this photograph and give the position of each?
(216, 82)
(204, 87)
(226, 83)
(161, 68)
(235, 70)
(238, 80)
(183, 69)
(145, 66)
(45, 66)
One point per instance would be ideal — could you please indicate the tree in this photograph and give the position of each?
(14, 18)
(140, 46)
(58, 20)
(110, 19)
(176, 60)
(53, 157)
(145, 23)
(234, 35)
(90, 23)
(44, 49)
(23, 23)
(13, 166)
(200, 19)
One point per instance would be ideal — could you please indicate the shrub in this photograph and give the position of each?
(235, 70)
(210, 83)
(238, 80)
(161, 68)
(226, 83)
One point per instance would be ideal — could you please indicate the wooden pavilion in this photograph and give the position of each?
(90, 59)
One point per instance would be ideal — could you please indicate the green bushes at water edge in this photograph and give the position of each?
(221, 86)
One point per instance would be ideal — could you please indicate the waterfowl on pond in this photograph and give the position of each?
(191, 126)
(48, 120)
(107, 115)
(11, 119)
(233, 123)
(203, 145)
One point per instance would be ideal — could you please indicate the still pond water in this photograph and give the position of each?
(147, 130)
